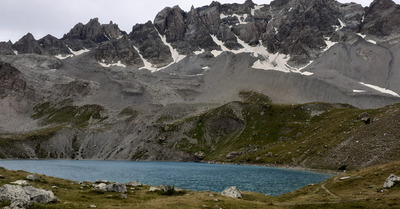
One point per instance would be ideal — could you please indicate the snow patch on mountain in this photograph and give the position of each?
(256, 7)
(77, 53)
(147, 64)
(62, 57)
(369, 40)
(175, 54)
(380, 89)
(358, 91)
(119, 64)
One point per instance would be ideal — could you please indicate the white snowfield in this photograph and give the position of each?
(257, 7)
(119, 64)
(266, 61)
(369, 40)
(380, 89)
(74, 53)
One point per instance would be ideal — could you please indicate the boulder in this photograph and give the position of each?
(22, 197)
(116, 187)
(199, 156)
(154, 189)
(102, 186)
(232, 192)
(32, 177)
(391, 181)
(365, 117)
(101, 181)
(232, 155)
(134, 184)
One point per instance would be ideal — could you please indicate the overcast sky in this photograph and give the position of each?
(57, 17)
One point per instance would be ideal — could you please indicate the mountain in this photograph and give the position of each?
(102, 93)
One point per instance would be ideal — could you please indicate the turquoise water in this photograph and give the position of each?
(191, 176)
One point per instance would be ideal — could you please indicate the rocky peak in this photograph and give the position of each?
(53, 46)
(6, 48)
(171, 23)
(28, 44)
(382, 20)
(119, 51)
(91, 31)
(112, 31)
(146, 38)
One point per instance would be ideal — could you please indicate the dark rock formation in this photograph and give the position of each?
(146, 38)
(53, 46)
(10, 80)
(91, 34)
(118, 50)
(382, 20)
(28, 44)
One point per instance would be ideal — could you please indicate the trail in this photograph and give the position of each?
(327, 190)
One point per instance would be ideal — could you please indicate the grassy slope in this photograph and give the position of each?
(362, 190)
(296, 135)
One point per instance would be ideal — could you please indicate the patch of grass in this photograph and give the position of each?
(66, 113)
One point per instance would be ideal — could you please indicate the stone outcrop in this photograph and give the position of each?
(391, 181)
(23, 197)
(232, 192)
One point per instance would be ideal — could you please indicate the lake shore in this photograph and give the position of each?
(299, 168)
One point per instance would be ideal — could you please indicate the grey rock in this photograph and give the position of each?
(232, 192)
(232, 155)
(199, 156)
(365, 117)
(101, 181)
(391, 181)
(22, 197)
(32, 177)
(154, 189)
(114, 187)
(134, 184)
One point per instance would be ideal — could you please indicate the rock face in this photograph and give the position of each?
(22, 197)
(391, 181)
(232, 192)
